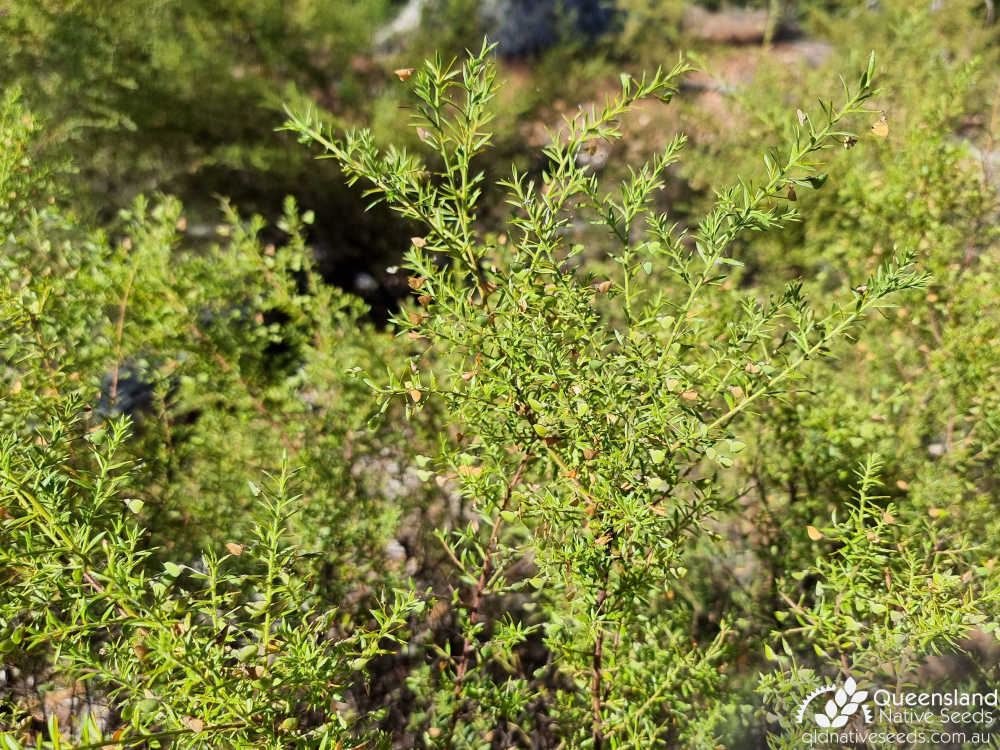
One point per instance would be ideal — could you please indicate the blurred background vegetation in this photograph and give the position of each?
(140, 138)
(184, 97)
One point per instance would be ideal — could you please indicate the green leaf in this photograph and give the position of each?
(246, 653)
(657, 484)
(817, 181)
(173, 569)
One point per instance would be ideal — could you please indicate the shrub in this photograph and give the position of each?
(596, 416)
(623, 498)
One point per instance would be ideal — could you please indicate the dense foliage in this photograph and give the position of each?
(666, 433)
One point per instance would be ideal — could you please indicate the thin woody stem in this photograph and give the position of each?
(597, 728)
(486, 571)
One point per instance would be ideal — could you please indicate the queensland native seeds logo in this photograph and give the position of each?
(844, 703)
(901, 717)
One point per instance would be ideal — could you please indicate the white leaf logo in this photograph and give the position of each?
(831, 709)
(845, 703)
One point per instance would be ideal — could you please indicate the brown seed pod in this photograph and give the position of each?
(881, 127)
(603, 287)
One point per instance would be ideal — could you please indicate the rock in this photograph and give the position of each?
(365, 284)
(730, 26)
(525, 27)
(520, 27)
(130, 393)
(403, 25)
(395, 551)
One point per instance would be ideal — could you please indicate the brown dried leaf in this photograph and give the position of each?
(603, 287)
(881, 128)
(193, 723)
